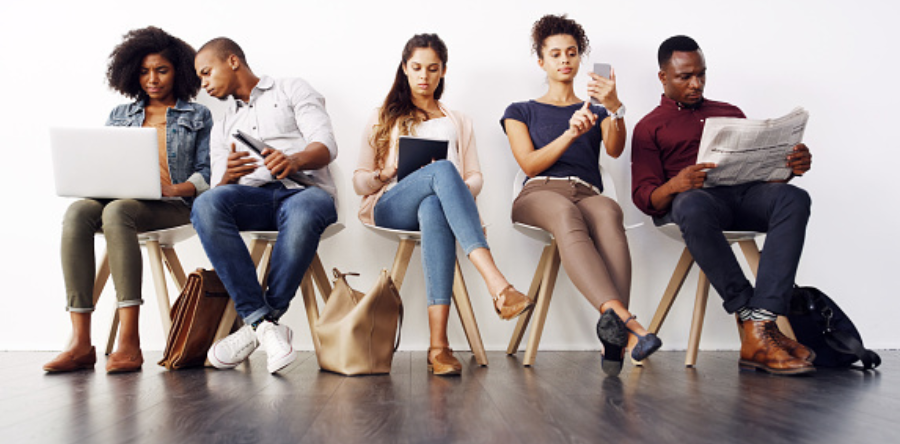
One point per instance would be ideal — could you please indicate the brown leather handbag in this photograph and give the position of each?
(195, 319)
(356, 333)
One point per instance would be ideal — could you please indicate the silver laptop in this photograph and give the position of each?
(106, 162)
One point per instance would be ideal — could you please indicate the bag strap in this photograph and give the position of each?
(847, 343)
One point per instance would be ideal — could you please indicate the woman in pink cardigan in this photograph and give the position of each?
(438, 199)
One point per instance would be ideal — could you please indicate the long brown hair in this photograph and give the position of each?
(398, 107)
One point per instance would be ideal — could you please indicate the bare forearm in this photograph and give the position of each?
(537, 161)
(315, 156)
(661, 198)
(614, 135)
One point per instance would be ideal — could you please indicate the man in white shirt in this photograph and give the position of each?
(288, 188)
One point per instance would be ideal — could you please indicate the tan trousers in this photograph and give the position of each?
(589, 231)
(120, 221)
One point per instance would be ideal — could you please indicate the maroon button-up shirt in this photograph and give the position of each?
(665, 142)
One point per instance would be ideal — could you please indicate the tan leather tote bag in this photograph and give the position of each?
(356, 333)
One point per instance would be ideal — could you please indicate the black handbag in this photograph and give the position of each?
(821, 325)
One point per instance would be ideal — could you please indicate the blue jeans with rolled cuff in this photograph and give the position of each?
(435, 201)
(299, 215)
(780, 210)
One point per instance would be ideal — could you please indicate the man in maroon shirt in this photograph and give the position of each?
(667, 183)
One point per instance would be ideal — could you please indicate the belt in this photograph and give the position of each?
(574, 180)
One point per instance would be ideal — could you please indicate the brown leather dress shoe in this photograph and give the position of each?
(761, 350)
(514, 303)
(68, 362)
(119, 362)
(793, 347)
(444, 363)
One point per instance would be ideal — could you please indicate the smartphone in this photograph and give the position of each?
(602, 70)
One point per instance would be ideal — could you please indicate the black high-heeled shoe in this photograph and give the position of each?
(612, 333)
(646, 344)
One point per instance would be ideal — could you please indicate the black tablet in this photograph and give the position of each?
(416, 152)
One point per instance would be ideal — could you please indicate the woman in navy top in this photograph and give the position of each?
(556, 140)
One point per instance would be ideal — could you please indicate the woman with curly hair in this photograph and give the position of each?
(156, 70)
(438, 199)
(556, 140)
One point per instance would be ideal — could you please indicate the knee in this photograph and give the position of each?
(83, 211)
(796, 201)
(208, 206)
(120, 213)
(691, 206)
(311, 214)
(610, 213)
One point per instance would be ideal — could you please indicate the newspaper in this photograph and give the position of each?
(747, 150)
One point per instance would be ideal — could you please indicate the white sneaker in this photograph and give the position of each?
(230, 351)
(276, 340)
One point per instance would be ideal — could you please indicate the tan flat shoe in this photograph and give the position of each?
(119, 362)
(514, 303)
(444, 363)
(67, 362)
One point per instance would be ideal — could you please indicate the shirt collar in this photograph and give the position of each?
(668, 103)
(265, 83)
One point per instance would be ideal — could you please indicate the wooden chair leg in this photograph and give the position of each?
(467, 317)
(320, 277)
(154, 252)
(401, 261)
(665, 304)
(312, 308)
(173, 264)
(533, 290)
(548, 281)
(697, 322)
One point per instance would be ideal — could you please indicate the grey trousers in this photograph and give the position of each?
(120, 221)
(589, 232)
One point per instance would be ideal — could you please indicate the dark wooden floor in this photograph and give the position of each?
(564, 398)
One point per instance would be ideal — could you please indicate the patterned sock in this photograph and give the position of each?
(756, 314)
(256, 324)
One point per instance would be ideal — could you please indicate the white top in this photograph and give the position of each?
(441, 128)
(286, 114)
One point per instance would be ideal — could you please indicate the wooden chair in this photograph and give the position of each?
(160, 246)
(544, 280)
(747, 242)
(408, 241)
(261, 243)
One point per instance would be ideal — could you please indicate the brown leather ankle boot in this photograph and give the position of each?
(761, 349)
(793, 347)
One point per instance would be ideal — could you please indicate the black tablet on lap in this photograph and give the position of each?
(416, 152)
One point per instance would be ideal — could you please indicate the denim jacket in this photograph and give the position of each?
(187, 140)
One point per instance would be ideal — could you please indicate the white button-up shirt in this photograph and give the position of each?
(285, 114)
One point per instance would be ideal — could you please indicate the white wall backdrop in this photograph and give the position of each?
(837, 59)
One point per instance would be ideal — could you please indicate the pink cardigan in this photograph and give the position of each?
(367, 185)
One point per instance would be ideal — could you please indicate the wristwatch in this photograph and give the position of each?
(620, 113)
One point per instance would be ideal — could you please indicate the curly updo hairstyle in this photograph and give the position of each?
(124, 70)
(550, 25)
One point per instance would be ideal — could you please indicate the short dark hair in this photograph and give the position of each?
(123, 72)
(224, 47)
(681, 43)
(550, 25)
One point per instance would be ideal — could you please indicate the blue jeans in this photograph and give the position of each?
(778, 209)
(435, 201)
(300, 216)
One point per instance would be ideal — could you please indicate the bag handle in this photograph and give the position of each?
(399, 328)
(339, 275)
